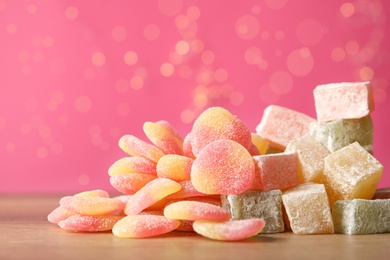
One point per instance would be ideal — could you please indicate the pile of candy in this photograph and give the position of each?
(224, 182)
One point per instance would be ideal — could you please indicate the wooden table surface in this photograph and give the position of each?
(25, 233)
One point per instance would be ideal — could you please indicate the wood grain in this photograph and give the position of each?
(25, 233)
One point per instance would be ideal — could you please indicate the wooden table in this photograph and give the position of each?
(26, 234)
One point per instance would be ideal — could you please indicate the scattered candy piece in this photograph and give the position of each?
(351, 173)
(89, 223)
(89, 206)
(308, 209)
(150, 194)
(359, 216)
(59, 214)
(187, 147)
(187, 190)
(136, 147)
(175, 167)
(232, 230)
(275, 171)
(343, 101)
(280, 125)
(131, 165)
(337, 134)
(194, 210)
(258, 204)
(162, 135)
(217, 123)
(223, 167)
(311, 155)
(141, 226)
(131, 183)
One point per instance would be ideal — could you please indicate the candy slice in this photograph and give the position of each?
(162, 135)
(59, 214)
(275, 171)
(280, 125)
(187, 147)
(232, 230)
(308, 209)
(136, 147)
(141, 226)
(131, 183)
(311, 155)
(337, 134)
(187, 190)
(351, 173)
(257, 204)
(359, 216)
(89, 223)
(174, 167)
(346, 100)
(131, 165)
(86, 205)
(194, 210)
(217, 123)
(93, 193)
(223, 167)
(150, 194)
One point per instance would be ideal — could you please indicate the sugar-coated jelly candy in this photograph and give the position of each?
(194, 210)
(217, 123)
(187, 147)
(351, 173)
(162, 135)
(232, 230)
(223, 167)
(141, 226)
(150, 194)
(87, 205)
(308, 210)
(131, 183)
(280, 125)
(59, 214)
(187, 190)
(136, 147)
(175, 167)
(345, 100)
(260, 143)
(131, 165)
(89, 223)
(360, 216)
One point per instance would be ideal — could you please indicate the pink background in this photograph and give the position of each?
(76, 75)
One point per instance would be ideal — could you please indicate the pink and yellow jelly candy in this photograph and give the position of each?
(187, 147)
(275, 171)
(347, 100)
(86, 205)
(223, 167)
(59, 214)
(260, 143)
(175, 167)
(187, 190)
(89, 223)
(136, 147)
(280, 125)
(131, 165)
(194, 210)
(150, 194)
(142, 226)
(217, 123)
(163, 135)
(232, 230)
(131, 183)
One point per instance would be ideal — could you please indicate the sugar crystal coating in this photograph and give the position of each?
(162, 135)
(232, 230)
(337, 134)
(187, 190)
(194, 210)
(217, 123)
(131, 183)
(308, 209)
(280, 125)
(150, 194)
(131, 165)
(257, 204)
(175, 167)
(136, 147)
(223, 167)
(187, 147)
(361, 216)
(87, 205)
(141, 226)
(351, 173)
(345, 100)
(59, 214)
(89, 223)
